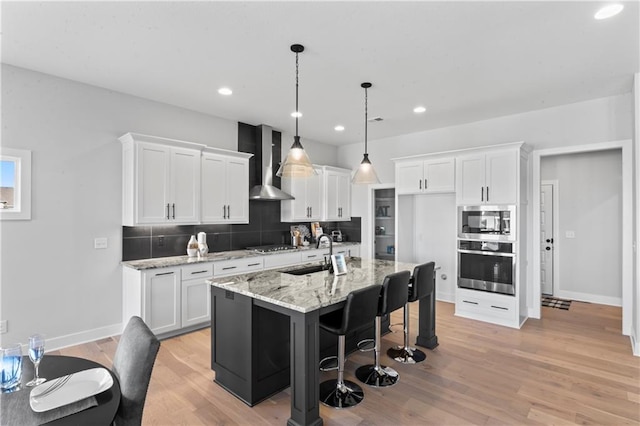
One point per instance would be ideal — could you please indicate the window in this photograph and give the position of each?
(15, 184)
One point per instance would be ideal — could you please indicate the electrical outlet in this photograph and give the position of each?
(3, 326)
(100, 243)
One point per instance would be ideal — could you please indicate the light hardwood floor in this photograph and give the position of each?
(571, 367)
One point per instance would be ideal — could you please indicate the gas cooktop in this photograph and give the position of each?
(271, 248)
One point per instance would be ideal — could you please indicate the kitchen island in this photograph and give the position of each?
(265, 333)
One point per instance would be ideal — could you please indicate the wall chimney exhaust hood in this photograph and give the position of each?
(266, 191)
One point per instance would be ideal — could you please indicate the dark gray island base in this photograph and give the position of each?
(265, 335)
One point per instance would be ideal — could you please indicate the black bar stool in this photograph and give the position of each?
(421, 285)
(393, 295)
(360, 309)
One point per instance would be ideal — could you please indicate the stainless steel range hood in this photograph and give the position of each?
(266, 191)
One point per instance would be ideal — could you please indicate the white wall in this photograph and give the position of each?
(598, 120)
(52, 281)
(590, 206)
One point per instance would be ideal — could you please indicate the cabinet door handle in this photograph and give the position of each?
(224, 211)
(228, 211)
(471, 303)
(311, 211)
(164, 273)
(173, 206)
(229, 267)
(420, 184)
(425, 184)
(167, 211)
(253, 264)
(482, 193)
(487, 193)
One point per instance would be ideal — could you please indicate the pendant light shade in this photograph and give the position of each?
(365, 174)
(297, 163)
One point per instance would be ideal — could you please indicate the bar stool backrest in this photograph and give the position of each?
(394, 293)
(360, 308)
(423, 283)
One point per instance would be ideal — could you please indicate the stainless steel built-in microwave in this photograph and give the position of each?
(495, 223)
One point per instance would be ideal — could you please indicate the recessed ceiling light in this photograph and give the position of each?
(608, 11)
(225, 91)
(295, 114)
(419, 109)
(339, 128)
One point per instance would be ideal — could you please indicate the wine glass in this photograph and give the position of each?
(36, 352)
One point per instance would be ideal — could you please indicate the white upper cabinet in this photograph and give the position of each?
(434, 175)
(337, 194)
(164, 182)
(225, 189)
(165, 185)
(307, 205)
(487, 178)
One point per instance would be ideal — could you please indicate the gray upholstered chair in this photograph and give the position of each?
(132, 365)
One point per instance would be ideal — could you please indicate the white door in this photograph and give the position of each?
(546, 239)
(314, 196)
(439, 175)
(332, 201)
(501, 178)
(153, 183)
(409, 178)
(470, 182)
(344, 196)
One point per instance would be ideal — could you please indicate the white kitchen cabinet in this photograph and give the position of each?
(487, 178)
(161, 304)
(225, 188)
(307, 205)
(238, 266)
(489, 307)
(196, 297)
(434, 175)
(337, 194)
(161, 184)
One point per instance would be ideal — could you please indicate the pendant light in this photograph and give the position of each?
(365, 174)
(297, 163)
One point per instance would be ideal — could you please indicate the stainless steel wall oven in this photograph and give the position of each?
(487, 265)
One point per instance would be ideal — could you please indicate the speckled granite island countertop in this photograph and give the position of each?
(306, 293)
(165, 262)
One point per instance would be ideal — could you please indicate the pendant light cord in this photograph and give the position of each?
(366, 114)
(297, 112)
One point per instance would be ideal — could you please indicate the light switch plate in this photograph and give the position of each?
(100, 243)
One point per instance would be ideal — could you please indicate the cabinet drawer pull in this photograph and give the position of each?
(229, 267)
(312, 255)
(472, 303)
(253, 264)
(198, 272)
(164, 273)
(500, 307)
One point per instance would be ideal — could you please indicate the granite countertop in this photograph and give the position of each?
(165, 262)
(306, 293)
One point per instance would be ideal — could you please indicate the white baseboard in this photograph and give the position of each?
(635, 344)
(587, 297)
(55, 343)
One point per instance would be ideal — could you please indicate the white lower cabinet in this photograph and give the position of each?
(196, 297)
(168, 299)
(489, 307)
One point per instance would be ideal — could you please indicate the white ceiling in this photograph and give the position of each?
(464, 61)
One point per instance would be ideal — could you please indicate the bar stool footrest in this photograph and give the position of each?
(366, 345)
(329, 363)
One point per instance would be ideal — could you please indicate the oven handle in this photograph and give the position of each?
(487, 253)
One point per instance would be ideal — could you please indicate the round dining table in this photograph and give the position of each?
(53, 366)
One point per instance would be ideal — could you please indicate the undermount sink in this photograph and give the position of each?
(307, 270)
